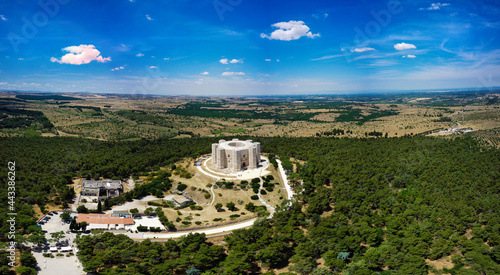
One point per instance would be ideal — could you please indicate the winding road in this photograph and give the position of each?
(227, 228)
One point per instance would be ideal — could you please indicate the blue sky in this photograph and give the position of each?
(245, 47)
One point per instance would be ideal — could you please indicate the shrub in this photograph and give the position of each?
(181, 187)
(250, 206)
(263, 192)
(141, 228)
(254, 197)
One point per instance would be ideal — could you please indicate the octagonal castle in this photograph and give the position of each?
(236, 155)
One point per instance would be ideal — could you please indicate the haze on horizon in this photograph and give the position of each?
(221, 47)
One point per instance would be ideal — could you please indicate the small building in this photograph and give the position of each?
(104, 221)
(66, 249)
(181, 200)
(53, 249)
(102, 188)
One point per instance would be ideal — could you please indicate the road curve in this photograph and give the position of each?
(228, 228)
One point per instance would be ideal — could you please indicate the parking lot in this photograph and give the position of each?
(59, 264)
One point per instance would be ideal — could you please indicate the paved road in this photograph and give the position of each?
(210, 231)
(288, 188)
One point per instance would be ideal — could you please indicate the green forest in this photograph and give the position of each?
(366, 206)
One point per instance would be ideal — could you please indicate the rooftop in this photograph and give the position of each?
(113, 184)
(103, 219)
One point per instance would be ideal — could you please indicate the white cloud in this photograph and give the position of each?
(409, 56)
(404, 46)
(153, 67)
(205, 73)
(226, 61)
(365, 49)
(117, 68)
(20, 58)
(435, 6)
(82, 54)
(277, 60)
(291, 30)
(166, 58)
(149, 17)
(320, 15)
(232, 73)
(139, 55)
(3, 17)
(268, 60)
(234, 61)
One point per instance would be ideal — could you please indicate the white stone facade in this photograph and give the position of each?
(236, 155)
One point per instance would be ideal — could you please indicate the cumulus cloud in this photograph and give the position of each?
(117, 68)
(82, 54)
(153, 67)
(205, 73)
(364, 49)
(226, 61)
(268, 60)
(149, 17)
(291, 30)
(232, 73)
(3, 17)
(409, 56)
(139, 55)
(435, 6)
(403, 46)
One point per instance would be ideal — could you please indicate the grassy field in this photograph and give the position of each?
(197, 188)
(114, 117)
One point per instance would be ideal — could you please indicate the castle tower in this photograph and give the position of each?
(236, 155)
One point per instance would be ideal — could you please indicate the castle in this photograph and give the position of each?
(236, 155)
